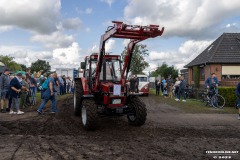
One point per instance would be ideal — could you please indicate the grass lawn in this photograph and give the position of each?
(192, 105)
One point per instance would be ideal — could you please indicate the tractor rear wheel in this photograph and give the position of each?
(137, 115)
(89, 114)
(78, 92)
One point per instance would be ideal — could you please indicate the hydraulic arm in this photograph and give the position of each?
(135, 33)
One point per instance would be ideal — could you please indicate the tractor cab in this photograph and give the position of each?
(110, 72)
(110, 88)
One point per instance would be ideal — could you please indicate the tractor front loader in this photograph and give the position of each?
(102, 89)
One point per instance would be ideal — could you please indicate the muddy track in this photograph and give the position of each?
(168, 133)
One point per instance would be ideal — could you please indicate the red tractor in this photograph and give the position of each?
(102, 90)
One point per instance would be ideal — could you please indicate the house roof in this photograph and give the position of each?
(225, 49)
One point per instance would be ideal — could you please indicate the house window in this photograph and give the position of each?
(202, 73)
(230, 72)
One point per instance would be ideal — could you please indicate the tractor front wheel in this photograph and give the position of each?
(89, 114)
(78, 92)
(138, 112)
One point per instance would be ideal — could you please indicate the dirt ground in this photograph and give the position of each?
(168, 134)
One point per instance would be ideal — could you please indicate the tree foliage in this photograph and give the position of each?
(138, 63)
(10, 63)
(40, 65)
(164, 71)
(24, 67)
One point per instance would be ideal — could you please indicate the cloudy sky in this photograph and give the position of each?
(63, 32)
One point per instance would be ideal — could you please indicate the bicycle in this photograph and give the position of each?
(213, 99)
(189, 92)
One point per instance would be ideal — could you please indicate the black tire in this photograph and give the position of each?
(138, 112)
(218, 101)
(78, 93)
(204, 99)
(89, 114)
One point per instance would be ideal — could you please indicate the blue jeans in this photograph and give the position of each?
(61, 88)
(15, 103)
(181, 92)
(64, 89)
(54, 103)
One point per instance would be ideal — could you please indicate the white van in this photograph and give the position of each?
(143, 85)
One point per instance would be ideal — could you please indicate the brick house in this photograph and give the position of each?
(221, 57)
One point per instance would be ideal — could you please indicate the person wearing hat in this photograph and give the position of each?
(15, 91)
(4, 88)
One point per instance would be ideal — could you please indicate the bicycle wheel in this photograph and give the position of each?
(218, 101)
(204, 99)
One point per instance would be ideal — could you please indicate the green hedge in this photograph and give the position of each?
(229, 94)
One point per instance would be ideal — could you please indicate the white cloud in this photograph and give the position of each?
(5, 28)
(186, 52)
(109, 46)
(125, 42)
(55, 40)
(109, 2)
(88, 29)
(107, 23)
(42, 18)
(68, 57)
(38, 15)
(95, 49)
(88, 11)
(153, 55)
(25, 54)
(185, 18)
(191, 47)
(71, 23)
(232, 27)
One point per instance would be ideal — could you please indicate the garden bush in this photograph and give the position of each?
(229, 93)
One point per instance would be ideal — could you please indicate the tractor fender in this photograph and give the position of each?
(133, 95)
(129, 97)
(87, 96)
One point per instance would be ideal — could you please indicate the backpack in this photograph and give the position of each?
(45, 84)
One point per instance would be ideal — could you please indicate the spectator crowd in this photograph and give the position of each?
(169, 88)
(18, 90)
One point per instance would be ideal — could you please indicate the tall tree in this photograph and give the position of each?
(10, 63)
(164, 71)
(24, 67)
(138, 63)
(40, 65)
